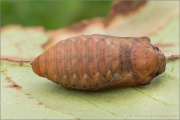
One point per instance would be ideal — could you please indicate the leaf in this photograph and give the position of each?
(25, 95)
(24, 43)
(168, 38)
(39, 98)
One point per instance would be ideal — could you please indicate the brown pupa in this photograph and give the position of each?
(96, 62)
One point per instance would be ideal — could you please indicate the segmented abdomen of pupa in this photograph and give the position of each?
(98, 62)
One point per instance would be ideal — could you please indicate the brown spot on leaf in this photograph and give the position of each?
(125, 7)
(28, 94)
(39, 103)
(164, 44)
(8, 79)
(173, 57)
(13, 85)
(83, 24)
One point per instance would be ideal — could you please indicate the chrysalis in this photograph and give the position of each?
(96, 62)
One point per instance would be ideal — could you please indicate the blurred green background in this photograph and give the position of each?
(51, 14)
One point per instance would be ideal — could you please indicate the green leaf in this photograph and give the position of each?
(19, 42)
(168, 38)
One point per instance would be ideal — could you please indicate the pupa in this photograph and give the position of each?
(98, 62)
